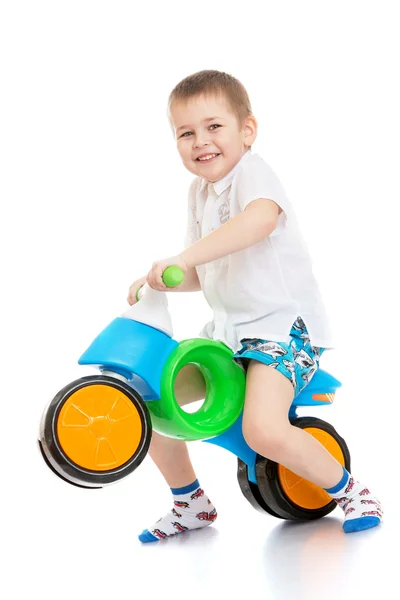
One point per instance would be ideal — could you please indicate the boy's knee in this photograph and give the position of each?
(268, 441)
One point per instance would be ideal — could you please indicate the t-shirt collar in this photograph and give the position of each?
(221, 185)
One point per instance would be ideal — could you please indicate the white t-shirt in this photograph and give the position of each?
(257, 292)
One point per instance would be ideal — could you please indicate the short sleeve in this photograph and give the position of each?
(192, 229)
(257, 180)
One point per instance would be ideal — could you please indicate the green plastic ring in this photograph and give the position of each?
(224, 399)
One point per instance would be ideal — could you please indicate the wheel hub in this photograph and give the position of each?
(100, 426)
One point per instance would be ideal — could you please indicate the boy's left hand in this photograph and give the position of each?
(154, 278)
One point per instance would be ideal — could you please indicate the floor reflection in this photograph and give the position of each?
(193, 554)
(314, 559)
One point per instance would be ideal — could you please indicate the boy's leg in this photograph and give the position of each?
(267, 430)
(172, 459)
(171, 456)
(191, 507)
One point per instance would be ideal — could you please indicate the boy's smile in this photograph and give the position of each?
(210, 139)
(206, 158)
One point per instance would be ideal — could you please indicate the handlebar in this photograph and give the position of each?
(172, 277)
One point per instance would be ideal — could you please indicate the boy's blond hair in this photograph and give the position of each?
(211, 83)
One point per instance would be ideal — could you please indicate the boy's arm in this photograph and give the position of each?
(191, 283)
(255, 223)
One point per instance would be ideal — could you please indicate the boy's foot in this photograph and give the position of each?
(192, 510)
(362, 510)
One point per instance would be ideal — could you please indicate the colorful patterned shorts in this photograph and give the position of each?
(298, 360)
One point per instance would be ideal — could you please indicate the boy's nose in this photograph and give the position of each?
(200, 141)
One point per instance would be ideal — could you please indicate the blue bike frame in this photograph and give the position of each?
(138, 352)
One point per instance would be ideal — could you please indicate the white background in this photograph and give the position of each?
(93, 191)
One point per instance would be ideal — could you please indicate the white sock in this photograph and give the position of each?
(192, 510)
(362, 510)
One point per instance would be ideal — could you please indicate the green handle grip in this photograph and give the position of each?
(172, 277)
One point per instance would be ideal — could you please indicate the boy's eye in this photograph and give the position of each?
(213, 127)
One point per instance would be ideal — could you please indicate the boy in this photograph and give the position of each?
(245, 252)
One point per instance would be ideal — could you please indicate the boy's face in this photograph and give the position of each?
(210, 139)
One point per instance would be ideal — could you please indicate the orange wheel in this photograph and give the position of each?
(302, 492)
(95, 431)
(291, 496)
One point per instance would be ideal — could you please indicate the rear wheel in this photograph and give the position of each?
(287, 494)
(95, 431)
(250, 490)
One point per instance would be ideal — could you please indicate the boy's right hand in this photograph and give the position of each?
(134, 288)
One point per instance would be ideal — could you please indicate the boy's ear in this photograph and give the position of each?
(250, 130)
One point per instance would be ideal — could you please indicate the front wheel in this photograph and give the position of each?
(95, 431)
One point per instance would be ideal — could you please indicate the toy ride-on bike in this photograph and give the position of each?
(97, 429)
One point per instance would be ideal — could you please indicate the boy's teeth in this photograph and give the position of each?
(207, 157)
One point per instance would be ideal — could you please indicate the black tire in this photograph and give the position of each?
(62, 465)
(269, 485)
(48, 463)
(250, 490)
